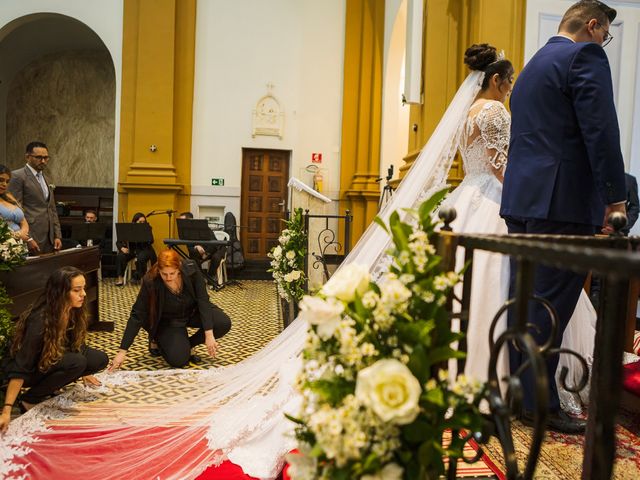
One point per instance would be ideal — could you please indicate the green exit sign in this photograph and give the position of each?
(217, 182)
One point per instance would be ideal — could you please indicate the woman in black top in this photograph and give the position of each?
(142, 252)
(49, 350)
(173, 297)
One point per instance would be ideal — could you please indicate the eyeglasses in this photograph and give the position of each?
(40, 157)
(606, 40)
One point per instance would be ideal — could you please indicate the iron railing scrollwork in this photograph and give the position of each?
(330, 250)
(616, 261)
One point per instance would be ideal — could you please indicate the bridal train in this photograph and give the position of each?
(233, 412)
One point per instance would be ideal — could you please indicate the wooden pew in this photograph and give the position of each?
(25, 284)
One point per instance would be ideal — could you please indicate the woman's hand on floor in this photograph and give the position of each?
(91, 381)
(210, 342)
(117, 361)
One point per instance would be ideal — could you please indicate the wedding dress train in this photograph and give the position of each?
(234, 412)
(483, 146)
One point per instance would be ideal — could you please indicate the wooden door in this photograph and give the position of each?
(265, 174)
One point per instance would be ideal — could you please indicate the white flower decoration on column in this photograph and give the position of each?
(391, 471)
(389, 388)
(348, 280)
(277, 252)
(326, 314)
(291, 255)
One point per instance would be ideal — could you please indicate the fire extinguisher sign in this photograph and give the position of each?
(316, 158)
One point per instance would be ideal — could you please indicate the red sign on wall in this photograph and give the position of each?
(316, 158)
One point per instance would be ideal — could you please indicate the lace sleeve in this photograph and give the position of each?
(494, 123)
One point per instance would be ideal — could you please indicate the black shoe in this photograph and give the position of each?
(558, 421)
(195, 359)
(154, 351)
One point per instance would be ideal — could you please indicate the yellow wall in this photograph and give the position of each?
(450, 27)
(157, 101)
(362, 111)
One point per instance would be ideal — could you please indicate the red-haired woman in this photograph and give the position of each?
(173, 297)
(48, 350)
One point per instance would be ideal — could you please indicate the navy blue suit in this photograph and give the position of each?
(564, 167)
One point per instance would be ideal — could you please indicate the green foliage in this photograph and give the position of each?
(287, 259)
(13, 252)
(6, 322)
(403, 318)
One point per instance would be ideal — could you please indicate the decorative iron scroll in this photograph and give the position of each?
(330, 250)
(616, 260)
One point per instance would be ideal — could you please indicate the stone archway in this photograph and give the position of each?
(58, 86)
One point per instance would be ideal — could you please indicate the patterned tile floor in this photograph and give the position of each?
(255, 314)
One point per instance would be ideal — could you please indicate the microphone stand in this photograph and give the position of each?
(164, 212)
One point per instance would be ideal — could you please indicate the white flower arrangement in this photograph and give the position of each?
(13, 252)
(376, 393)
(287, 259)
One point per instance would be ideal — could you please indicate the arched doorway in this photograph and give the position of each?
(58, 86)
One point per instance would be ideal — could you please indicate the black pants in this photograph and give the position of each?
(562, 288)
(71, 367)
(175, 343)
(142, 257)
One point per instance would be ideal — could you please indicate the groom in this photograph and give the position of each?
(565, 172)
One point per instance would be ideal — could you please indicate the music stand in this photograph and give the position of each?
(134, 232)
(194, 229)
(198, 229)
(88, 231)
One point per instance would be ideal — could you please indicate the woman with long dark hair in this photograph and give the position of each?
(173, 297)
(142, 252)
(11, 212)
(49, 350)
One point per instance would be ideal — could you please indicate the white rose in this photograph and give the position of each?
(389, 388)
(277, 252)
(288, 278)
(326, 314)
(347, 281)
(391, 471)
(295, 274)
(291, 255)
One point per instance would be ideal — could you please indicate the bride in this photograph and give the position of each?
(483, 144)
(236, 412)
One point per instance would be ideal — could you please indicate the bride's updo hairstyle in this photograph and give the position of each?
(484, 57)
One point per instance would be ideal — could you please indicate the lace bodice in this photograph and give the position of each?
(485, 138)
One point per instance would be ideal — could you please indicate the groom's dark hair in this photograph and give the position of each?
(583, 11)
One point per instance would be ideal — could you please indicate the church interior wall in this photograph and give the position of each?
(83, 22)
(395, 113)
(68, 99)
(244, 50)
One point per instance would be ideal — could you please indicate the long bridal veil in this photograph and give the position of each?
(130, 429)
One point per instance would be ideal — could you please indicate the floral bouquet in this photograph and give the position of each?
(377, 397)
(13, 251)
(287, 259)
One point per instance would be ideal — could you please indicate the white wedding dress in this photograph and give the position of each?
(237, 412)
(483, 145)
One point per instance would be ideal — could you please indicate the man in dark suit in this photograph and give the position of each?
(35, 194)
(633, 204)
(565, 172)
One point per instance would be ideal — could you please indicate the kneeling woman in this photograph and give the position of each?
(49, 350)
(173, 297)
